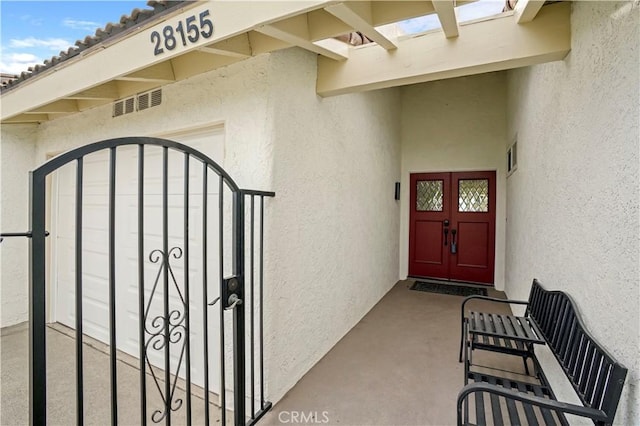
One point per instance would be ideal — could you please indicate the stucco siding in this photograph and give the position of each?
(573, 202)
(333, 248)
(17, 153)
(455, 125)
(235, 96)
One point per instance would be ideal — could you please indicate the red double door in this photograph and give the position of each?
(452, 226)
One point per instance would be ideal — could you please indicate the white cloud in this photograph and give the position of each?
(56, 44)
(80, 25)
(18, 62)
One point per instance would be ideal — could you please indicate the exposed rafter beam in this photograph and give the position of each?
(194, 63)
(27, 118)
(108, 91)
(236, 47)
(447, 16)
(487, 46)
(61, 106)
(261, 43)
(295, 31)
(159, 73)
(358, 15)
(527, 10)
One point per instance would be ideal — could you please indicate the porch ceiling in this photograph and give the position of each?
(123, 66)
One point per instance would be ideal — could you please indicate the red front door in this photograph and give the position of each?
(452, 226)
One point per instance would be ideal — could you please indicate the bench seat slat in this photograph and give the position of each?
(546, 414)
(496, 411)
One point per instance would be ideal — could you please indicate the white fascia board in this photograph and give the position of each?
(492, 45)
(116, 58)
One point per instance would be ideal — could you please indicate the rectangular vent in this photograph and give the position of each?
(156, 97)
(139, 102)
(129, 105)
(143, 101)
(118, 108)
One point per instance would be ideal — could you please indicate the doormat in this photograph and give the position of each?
(452, 289)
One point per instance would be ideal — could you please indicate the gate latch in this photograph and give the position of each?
(27, 234)
(230, 292)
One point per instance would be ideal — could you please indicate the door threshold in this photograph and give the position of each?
(450, 282)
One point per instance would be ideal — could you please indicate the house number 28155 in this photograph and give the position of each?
(185, 32)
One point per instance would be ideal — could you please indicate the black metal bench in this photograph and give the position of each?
(594, 374)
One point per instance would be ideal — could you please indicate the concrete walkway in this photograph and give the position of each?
(61, 399)
(398, 366)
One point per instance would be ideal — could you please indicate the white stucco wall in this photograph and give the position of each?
(331, 232)
(455, 125)
(573, 203)
(17, 157)
(333, 245)
(234, 95)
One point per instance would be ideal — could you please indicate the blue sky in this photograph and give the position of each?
(32, 31)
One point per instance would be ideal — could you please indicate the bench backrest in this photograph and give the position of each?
(595, 375)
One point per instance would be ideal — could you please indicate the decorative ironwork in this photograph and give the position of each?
(429, 196)
(473, 195)
(169, 328)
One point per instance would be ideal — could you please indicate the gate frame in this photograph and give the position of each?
(37, 274)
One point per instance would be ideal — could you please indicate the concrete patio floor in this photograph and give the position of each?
(397, 366)
(61, 402)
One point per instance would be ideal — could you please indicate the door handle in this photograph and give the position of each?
(454, 246)
(233, 301)
(446, 235)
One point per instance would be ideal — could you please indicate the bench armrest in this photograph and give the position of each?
(551, 404)
(490, 299)
(493, 299)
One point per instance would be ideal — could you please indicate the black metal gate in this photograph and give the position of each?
(171, 330)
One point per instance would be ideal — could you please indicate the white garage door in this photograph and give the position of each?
(210, 141)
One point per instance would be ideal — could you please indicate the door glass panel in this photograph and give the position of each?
(473, 195)
(429, 196)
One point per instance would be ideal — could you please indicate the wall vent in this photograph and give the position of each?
(123, 106)
(139, 102)
(149, 99)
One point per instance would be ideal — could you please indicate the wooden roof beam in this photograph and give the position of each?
(27, 118)
(235, 47)
(160, 73)
(447, 16)
(527, 10)
(61, 106)
(107, 91)
(487, 46)
(359, 16)
(295, 31)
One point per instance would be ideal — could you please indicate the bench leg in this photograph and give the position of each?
(463, 337)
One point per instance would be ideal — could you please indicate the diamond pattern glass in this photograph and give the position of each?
(429, 196)
(473, 195)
